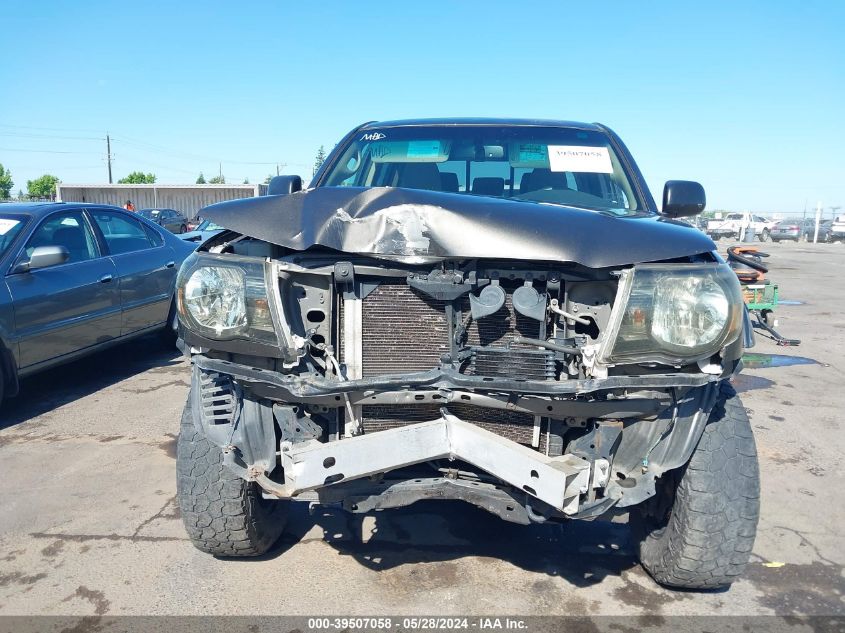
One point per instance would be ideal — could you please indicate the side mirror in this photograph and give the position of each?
(682, 198)
(283, 185)
(44, 257)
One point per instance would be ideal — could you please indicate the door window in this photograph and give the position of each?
(122, 233)
(65, 229)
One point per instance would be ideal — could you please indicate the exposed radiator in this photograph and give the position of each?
(404, 330)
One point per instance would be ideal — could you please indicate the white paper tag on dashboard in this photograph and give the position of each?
(577, 158)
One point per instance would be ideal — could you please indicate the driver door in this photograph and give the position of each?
(68, 307)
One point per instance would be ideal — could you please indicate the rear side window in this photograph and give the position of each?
(122, 234)
(154, 236)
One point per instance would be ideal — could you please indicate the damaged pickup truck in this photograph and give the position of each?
(493, 311)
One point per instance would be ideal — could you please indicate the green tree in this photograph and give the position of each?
(246, 181)
(217, 180)
(44, 187)
(6, 183)
(268, 179)
(200, 179)
(319, 160)
(137, 178)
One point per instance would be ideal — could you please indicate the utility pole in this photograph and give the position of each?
(220, 170)
(108, 155)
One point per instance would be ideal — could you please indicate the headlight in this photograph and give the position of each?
(225, 298)
(673, 314)
(215, 299)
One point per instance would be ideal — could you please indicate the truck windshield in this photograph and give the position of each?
(10, 226)
(556, 165)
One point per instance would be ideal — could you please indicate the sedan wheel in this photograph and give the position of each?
(764, 236)
(183, 229)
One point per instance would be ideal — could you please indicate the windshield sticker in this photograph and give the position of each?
(578, 158)
(373, 136)
(7, 225)
(532, 153)
(423, 149)
(380, 150)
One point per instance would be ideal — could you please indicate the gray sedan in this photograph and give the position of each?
(169, 219)
(77, 278)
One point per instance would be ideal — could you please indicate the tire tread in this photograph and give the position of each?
(710, 533)
(222, 513)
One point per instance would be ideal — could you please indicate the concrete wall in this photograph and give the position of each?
(187, 199)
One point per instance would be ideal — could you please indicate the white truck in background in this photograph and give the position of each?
(837, 229)
(732, 224)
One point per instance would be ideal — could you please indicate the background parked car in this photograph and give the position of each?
(837, 228)
(824, 230)
(78, 278)
(796, 228)
(170, 219)
(206, 229)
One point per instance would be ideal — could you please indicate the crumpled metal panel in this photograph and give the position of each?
(422, 226)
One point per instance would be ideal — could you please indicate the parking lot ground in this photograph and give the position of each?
(90, 527)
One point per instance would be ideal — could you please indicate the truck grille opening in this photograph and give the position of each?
(515, 426)
(404, 330)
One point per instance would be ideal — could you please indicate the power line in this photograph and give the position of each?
(42, 151)
(49, 129)
(53, 136)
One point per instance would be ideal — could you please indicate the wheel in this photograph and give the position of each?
(699, 529)
(775, 240)
(223, 514)
(183, 229)
(766, 316)
(764, 235)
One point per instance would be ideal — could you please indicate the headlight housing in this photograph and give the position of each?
(225, 298)
(673, 314)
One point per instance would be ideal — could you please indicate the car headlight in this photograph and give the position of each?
(225, 298)
(673, 314)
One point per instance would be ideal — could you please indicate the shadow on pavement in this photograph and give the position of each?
(64, 384)
(583, 553)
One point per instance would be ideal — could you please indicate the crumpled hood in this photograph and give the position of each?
(423, 225)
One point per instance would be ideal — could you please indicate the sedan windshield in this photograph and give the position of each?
(209, 225)
(556, 165)
(10, 226)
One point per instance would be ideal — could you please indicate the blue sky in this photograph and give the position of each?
(747, 98)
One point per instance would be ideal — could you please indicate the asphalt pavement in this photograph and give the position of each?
(89, 523)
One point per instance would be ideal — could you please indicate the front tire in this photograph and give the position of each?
(704, 539)
(183, 229)
(764, 235)
(223, 514)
